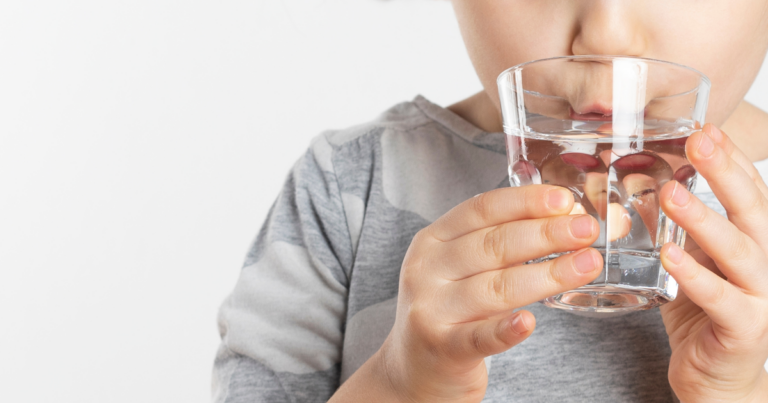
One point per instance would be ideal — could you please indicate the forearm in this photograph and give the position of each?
(368, 384)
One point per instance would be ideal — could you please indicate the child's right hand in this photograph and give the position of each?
(461, 279)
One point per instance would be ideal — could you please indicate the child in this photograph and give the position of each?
(378, 277)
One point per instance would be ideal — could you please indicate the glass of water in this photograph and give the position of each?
(612, 130)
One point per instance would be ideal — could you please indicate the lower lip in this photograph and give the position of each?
(597, 117)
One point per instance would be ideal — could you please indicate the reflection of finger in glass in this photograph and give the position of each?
(685, 175)
(619, 223)
(642, 191)
(578, 209)
(525, 173)
(595, 188)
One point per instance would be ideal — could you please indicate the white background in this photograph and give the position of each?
(141, 145)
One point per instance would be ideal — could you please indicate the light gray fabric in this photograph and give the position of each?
(317, 293)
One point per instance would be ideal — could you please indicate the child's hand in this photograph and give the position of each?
(463, 276)
(718, 328)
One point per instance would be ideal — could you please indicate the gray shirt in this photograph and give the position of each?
(317, 293)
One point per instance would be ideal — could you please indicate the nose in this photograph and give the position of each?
(609, 27)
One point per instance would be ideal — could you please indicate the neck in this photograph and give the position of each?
(480, 111)
(747, 126)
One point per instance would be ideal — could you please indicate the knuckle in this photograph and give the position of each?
(693, 275)
(555, 273)
(756, 176)
(422, 235)
(532, 199)
(549, 231)
(722, 165)
(412, 271)
(752, 208)
(483, 206)
(700, 213)
(758, 204)
(408, 280)
(494, 244)
(476, 340)
(419, 323)
(741, 250)
(501, 288)
(719, 294)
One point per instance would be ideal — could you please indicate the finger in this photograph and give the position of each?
(703, 259)
(736, 254)
(489, 293)
(692, 248)
(511, 243)
(499, 206)
(725, 304)
(724, 142)
(745, 204)
(492, 336)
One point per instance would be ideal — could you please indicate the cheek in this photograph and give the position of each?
(731, 73)
(501, 34)
(727, 41)
(726, 95)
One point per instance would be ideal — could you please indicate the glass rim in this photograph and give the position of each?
(521, 66)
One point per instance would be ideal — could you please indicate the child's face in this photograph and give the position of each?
(725, 39)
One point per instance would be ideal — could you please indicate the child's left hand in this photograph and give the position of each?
(718, 327)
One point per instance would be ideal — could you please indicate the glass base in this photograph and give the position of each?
(631, 281)
(605, 299)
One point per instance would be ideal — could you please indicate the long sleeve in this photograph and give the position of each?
(282, 326)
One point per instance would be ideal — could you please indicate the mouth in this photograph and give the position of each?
(594, 113)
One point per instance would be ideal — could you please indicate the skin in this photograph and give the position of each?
(717, 326)
(528, 30)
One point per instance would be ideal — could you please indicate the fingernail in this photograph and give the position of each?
(715, 134)
(582, 226)
(518, 324)
(680, 195)
(675, 254)
(706, 147)
(557, 199)
(584, 262)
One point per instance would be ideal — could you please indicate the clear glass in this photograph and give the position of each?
(612, 130)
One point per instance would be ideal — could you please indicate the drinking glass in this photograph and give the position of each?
(612, 130)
